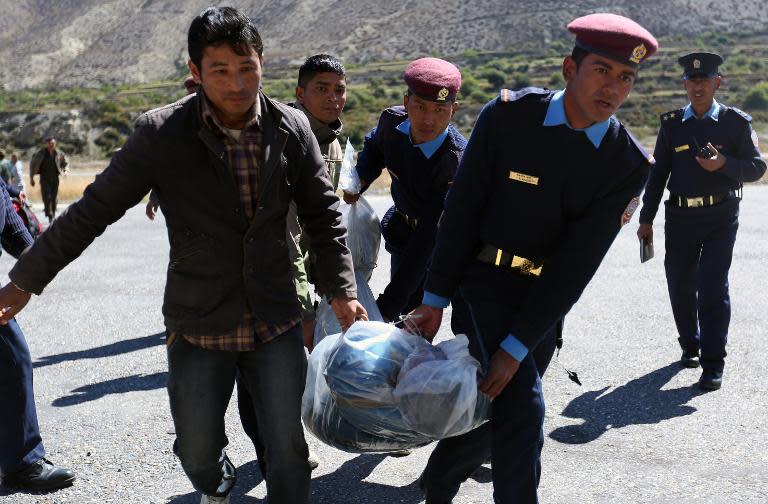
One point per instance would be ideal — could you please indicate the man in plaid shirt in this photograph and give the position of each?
(224, 164)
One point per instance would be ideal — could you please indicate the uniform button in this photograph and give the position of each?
(251, 269)
(251, 239)
(236, 210)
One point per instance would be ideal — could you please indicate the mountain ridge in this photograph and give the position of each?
(93, 42)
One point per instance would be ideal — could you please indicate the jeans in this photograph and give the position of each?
(200, 384)
(20, 442)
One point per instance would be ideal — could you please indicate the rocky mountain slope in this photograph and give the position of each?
(91, 42)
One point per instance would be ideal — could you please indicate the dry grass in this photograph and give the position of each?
(71, 187)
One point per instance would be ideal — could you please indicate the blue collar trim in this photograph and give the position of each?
(713, 112)
(427, 148)
(556, 117)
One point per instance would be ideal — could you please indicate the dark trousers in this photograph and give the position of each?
(514, 436)
(200, 384)
(698, 257)
(49, 187)
(396, 260)
(20, 442)
(250, 423)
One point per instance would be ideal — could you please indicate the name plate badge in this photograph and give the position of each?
(522, 177)
(682, 148)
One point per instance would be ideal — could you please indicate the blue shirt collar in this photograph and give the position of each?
(428, 148)
(556, 116)
(713, 112)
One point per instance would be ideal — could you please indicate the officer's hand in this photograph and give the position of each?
(645, 231)
(151, 209)
(347, 311)
(424, 321)
(350, 198)
(503, 367)
(715, 162)
(22, 196)
(12, 300)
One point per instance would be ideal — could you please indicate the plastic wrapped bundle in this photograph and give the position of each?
(362, 373)
(437, 392)
(322, 416)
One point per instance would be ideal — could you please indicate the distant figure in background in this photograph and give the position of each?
(49, 162)
(22, 455)
(704, 152)
(17, 172)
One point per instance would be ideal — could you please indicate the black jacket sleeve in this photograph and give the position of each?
(658, 178)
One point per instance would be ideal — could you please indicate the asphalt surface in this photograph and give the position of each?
(638, 431)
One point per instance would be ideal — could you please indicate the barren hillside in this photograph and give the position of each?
(89, 42)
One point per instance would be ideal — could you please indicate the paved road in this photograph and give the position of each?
(638, 431)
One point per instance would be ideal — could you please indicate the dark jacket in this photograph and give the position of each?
(419, 186)
(676, 165)
(218, 260)
(544, 193)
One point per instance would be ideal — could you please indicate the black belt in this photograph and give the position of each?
(702, 201)
(497, 257)
(412, 222)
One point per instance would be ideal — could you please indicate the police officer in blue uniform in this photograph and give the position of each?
(22, 455)
(704, 152)
(546, 183)
(421, 150)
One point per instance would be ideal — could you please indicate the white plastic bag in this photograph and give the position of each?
(437, 390)
(349, 181)
(364, 241)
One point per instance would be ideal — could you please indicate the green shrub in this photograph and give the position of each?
(757, 97)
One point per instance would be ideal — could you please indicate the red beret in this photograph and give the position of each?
(615, 37)
(433, 79)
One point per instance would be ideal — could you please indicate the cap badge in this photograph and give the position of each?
(638, 53)
(443, 94)
(696, 64)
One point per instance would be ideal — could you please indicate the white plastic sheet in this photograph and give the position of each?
(349, 181)
(363, 240)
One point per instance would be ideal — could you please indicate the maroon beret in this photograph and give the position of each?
(615, 37)
(433, 79)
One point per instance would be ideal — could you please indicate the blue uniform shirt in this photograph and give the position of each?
(13, 233)
(728, 129)
(544, 192)
(556, 117)
(421, 175)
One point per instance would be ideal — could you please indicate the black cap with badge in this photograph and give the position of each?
(700, 64)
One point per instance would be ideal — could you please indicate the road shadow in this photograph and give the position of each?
(345, 485)
(133, 383)
(640, 401)
(248, 478)
(111, 350)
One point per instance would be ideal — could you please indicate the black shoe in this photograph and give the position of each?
(400, 453)
(41, 475)
(711, 380)
(690, 359)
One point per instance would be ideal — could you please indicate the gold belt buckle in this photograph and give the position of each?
(525, 266)
(695, 202)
